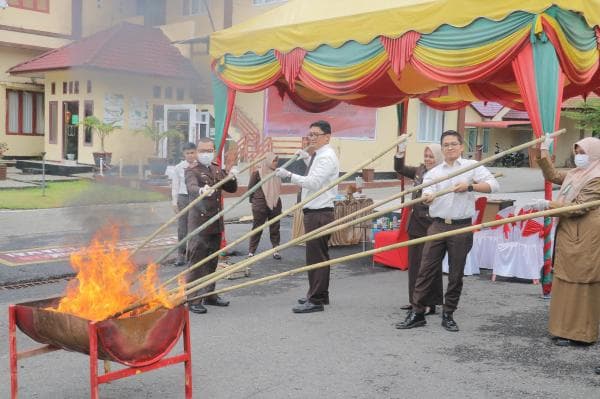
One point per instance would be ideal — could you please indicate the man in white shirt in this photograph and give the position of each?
(179, 195)
(323, 169)
(449, 212)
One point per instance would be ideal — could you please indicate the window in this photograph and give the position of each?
(71, 87)
(53, 88)
(65, 86)
(266, 2)
(156, 92)
(179, 94)
(194, 7)
(88, 134)
(431, 124)
(53, 126)
(471, 139)
(34, 5)
(158, 112)
(24, 112)
(486, 139)
(88, 86)
(168, 92)
(76, 87)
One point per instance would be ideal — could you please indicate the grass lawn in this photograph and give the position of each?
(71, 193)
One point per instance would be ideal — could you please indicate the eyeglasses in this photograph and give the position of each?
(450, 145)
(312, 134)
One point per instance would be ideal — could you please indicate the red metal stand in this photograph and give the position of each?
(95, 379)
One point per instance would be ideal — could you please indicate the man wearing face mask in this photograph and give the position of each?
(575, 303)
(199, 179)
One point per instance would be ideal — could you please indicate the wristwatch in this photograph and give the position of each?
(470, 188)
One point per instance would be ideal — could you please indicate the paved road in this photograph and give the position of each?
(257, 348)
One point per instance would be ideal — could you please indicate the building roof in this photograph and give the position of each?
(125, 47)
(487, 109)
(575, 102)
(516, 115)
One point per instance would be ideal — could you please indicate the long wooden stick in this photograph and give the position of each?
(222, 212)
(290, 210)
(268, 223)
(332, 262)
(245, 263)
(190, 205)
(322, 231)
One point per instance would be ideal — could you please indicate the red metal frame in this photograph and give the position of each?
(95, 379)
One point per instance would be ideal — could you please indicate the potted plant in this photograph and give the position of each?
(3, 149)
(158, 165)
(103, 130)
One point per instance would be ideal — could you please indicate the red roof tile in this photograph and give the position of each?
(125, 47)
(487, 110)
(516, 115)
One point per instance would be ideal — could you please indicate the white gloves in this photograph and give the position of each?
(206, 190)
(301, 154)
(401, 147)
(538, 204)
(546, 144)
(282, 173)
(234, 171)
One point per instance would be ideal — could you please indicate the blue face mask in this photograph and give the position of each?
(206, 158)
(582, 160)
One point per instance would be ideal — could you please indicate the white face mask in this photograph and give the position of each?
(582, 160)
(206, 158)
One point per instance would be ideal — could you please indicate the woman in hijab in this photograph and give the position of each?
(266, 203)
(419, 219)
(575, 303)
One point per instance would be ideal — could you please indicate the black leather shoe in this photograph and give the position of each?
(216, 301)
(302, 301)
(562, 342)
(448, 322)
(597, 370)
(180, 261)
(431, 310)
(308, 307)
(413, 319)
(197, 308)
(406, 307)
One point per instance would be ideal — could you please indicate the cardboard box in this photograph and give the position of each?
(493, 206)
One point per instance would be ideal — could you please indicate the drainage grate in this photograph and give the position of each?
(28, 284)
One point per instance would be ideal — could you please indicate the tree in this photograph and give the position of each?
(587, 116)
(156, 135)
(102, 129)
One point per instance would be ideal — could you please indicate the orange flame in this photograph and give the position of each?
(106, 282)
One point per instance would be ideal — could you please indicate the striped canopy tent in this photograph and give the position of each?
(526, 55)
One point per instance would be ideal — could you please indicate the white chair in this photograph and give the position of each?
(521, 255)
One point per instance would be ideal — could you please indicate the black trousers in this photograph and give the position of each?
(182, 223)
(431, 265)
(199, 247)
(261, 213)
(415, 255)
(317, 250)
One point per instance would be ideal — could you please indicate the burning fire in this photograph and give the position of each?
(108, 282)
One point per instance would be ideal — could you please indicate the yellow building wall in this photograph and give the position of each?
(19, 145)
(123, 143)
(57, 20)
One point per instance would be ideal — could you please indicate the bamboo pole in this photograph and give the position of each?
(268, 223)
(222, 212)
(290, 210)
(189, 206)
(245, 263)
(322, 231)
(332, 262)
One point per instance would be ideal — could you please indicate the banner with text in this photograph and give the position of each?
(283, 118)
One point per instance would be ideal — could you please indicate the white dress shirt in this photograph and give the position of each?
(456, 205)
(178, 181)
(324, 170)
